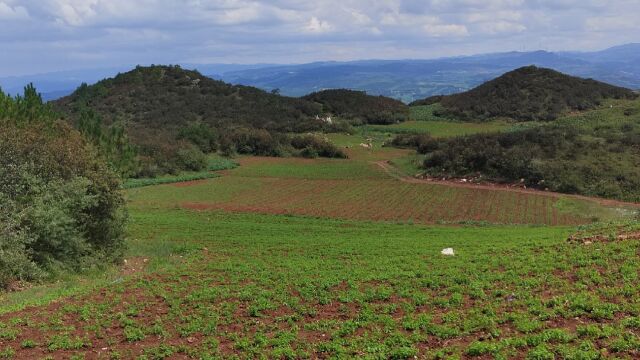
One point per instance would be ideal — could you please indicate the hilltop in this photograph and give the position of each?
(169, 96)
(530, 94)
(359, 106)
(174, 116)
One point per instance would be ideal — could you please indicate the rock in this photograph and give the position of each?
(447, 252)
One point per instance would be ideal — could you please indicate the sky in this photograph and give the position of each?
(38, 36)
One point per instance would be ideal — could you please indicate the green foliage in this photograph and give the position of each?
(220, 163)
(60, 206)
(423, 142)
(359, 107)
(26, 109)
(566, 157)
(527, 94)
(192, 159)
(201, 135)
(112, 142)
(165, 109)
(167, 179)
(263, 143)
(313, 146)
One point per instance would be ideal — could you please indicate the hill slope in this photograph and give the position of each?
(530, 93)
(172, 116)
(162, 97)
(594, 153)
(358, 105)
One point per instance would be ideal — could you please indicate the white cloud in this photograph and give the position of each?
(8, 12)
(245, 31)
(610, 23)
(445, 30)
(318, 26)
(500, 27)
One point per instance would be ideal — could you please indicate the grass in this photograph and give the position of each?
(216, 163)
(424, 121)
(333, 288)
(168, 179)
(323, 258)
(298, 168)
(356, 189)
(440, 128)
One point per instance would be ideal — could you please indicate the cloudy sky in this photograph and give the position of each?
(48, 35)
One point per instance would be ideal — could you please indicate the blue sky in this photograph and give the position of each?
(49, 35)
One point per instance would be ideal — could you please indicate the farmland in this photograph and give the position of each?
(358, 189)
(222, 285)
(328, 258)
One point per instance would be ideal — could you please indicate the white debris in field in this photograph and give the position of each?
(447, 252)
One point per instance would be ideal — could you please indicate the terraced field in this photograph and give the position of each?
(357, 189)
(226, 268)
(220, 285)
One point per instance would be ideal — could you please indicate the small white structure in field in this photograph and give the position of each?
(447, 252)
(327, 120)
(366, 146)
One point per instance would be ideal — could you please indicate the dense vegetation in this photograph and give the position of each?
(60, 204)
(528, 94)
(359, 107)
(172, 117)
(596, 153)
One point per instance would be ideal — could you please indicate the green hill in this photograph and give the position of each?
(169, 96)
(358, 106)
(530, 94)
(167, 111)
(594, 153)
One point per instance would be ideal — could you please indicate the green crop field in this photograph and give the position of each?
(322, 258)
(220, 285)
(439, 128)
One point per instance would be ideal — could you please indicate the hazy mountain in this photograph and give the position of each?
(409, 80)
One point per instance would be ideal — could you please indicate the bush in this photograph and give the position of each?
(192, 159)
(250, 141)
(314, 146)
(60, 205)
(200, 135)
(423, 143)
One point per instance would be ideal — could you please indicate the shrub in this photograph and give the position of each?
(250, 141)
(201, 135)
(423, 143)
(192, 159)
(313, 146)
(60, 204)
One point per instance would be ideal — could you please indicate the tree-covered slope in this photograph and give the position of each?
(595, 153)
(172, 116)
(357, 105)
(163, 97)
(530, 94)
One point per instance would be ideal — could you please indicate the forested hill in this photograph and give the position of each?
(357, 105)
(530, 93)
(169, 96)
(172, 117)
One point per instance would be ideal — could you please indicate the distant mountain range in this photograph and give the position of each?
(409, 80)
(406, 80)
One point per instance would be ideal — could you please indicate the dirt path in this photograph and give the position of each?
(395, 173)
